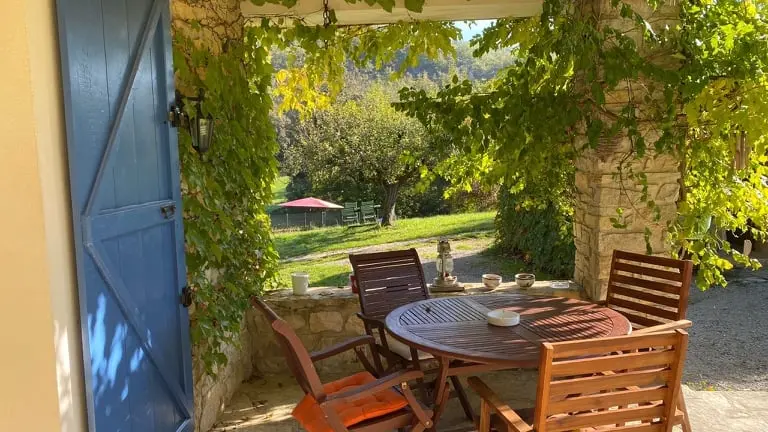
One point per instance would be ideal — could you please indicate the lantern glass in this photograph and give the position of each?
(448, 264)
(201, 130)
(444, 264)
(205, 129)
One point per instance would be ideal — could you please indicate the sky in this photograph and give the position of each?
(477, 27)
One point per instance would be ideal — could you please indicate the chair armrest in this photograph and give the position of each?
(505, 411)
(370, 321)
(675, 325)
(382, 383)
(342, 347)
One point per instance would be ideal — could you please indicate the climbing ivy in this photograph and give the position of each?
(229, 250)
(692, 89)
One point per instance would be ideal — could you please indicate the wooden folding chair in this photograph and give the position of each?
(386, 281)
(627, 383)
(651, 292)
(360, 403)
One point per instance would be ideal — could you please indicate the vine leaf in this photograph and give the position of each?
(414, 5)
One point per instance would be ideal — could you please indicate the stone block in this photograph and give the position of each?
(354, 326)
(326, 321)
(668, 193)
(296, 321)
(625, 240)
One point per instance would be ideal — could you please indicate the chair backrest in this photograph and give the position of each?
(298, 358)
(649, 290)
(367, 207)
(349, 212)
(627, 383)
(388, 280)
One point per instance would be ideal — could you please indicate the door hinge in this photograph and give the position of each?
(168, 211)
(186, 296)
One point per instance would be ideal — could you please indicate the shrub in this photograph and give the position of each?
(537, 230)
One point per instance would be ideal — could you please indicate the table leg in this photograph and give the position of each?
(441, 389)
(462, 395)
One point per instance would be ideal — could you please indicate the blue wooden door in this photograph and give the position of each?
(124, 176)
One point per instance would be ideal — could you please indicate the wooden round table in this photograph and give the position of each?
(456, 332)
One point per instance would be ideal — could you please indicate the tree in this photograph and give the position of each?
(361, 142)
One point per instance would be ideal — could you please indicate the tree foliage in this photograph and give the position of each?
(552, 106)
(358, 143)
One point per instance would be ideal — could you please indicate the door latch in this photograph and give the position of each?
(186, 296)
(168, 211)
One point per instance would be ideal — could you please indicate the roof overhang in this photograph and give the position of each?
(360, 13)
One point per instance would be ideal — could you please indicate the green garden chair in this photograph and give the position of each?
(349, 215)
(368, 212)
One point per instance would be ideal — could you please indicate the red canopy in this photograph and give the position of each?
(311, 202)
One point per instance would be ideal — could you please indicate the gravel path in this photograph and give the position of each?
(390, 246)
(729, 339)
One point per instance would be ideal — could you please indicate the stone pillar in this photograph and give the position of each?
(601, 190)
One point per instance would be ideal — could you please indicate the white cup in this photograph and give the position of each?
(300, 283)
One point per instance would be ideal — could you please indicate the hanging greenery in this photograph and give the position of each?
(708, 64)
(226, 191)
(549, 107)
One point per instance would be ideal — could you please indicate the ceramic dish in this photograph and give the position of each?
(525, 280)
(491, 281)
(560, 285)
(503, 318)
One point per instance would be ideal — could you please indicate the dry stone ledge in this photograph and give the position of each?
(326, 316)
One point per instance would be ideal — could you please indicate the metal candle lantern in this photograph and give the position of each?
(444, 282)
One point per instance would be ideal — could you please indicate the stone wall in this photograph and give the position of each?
(212, 393)
(324, 317)
(601, 189)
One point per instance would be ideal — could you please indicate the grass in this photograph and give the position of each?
(333, 269)
(278, 189)
(298, 243)
(330, 271)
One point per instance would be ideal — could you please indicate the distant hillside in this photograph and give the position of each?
(465, 65)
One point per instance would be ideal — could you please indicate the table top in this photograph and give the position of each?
(457, 328)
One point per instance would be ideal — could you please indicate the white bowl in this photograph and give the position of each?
(525, 280)
(491, 280)
(503, 318)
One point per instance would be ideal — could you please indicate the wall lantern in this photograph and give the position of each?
(200, 127)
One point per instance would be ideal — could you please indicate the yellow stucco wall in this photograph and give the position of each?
(40, 354)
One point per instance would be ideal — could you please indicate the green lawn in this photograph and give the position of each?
(331, 271)
(298, 243)
(278, 189)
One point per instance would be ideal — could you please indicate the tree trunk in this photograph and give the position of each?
(390, 199)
